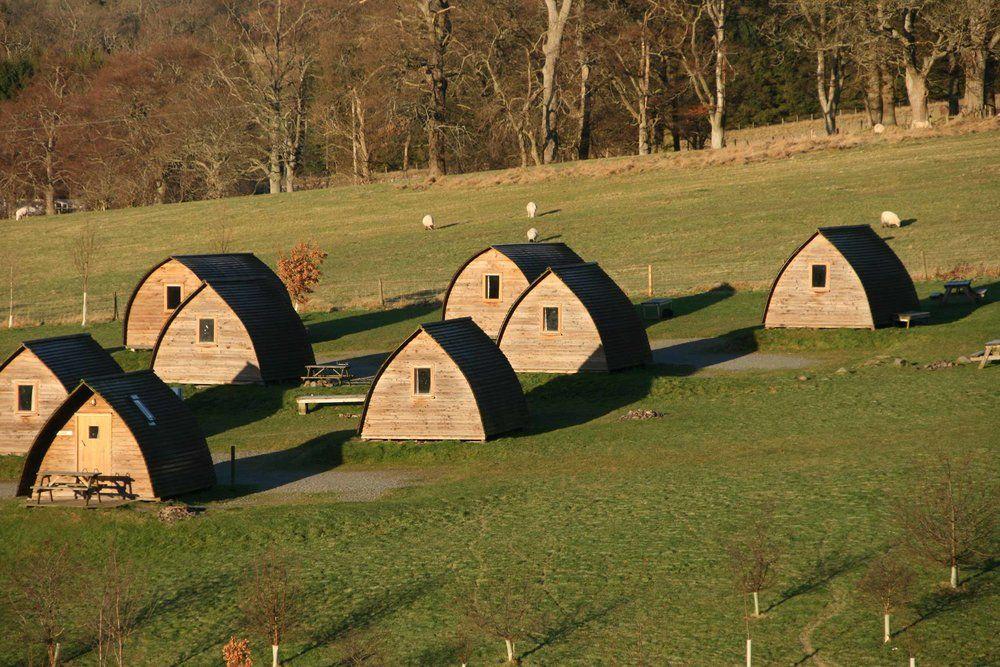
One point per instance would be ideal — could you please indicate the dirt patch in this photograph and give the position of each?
(705, 353)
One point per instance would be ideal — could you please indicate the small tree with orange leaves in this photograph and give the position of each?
(236, 653)
(300, 271)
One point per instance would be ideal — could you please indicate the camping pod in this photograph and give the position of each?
(36, 379)
(573, 318)
(164, 287)
(447, 381)
(233, 332)
(128, 424)
(485, 286)
(842, 277)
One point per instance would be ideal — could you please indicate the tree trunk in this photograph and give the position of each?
(756, 604)
(954, 576)
(10, 303)
(954, 81)
(583, 57)
(510, 651)
(828, 88)
(274, 656)
(644, 90)
(406, 153)
(749, 652)
(718, 130)
(161, 192)
(718, 115)
(83, 321)
(437, 21)
(873, 94)
(888, 97)
(974, 64)
(551, 48)
(916, 92)
(886, 635)
(274, 169)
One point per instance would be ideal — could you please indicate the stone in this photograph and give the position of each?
(842, 371)
(899, 362)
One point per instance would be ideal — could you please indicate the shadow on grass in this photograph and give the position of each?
(691, 303)
(581, 616)
(272, 470)
(337, 327)
(827, 567)
(945, 599)
(225, 407)
(959, 307)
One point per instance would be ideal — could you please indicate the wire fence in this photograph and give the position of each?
(107, 301)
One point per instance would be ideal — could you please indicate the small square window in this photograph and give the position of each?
(421, 381)
(93, 432)
(206, 331)
(550, 319)
(492, 283)
(173, 297)
(25, 398)
(819, 276)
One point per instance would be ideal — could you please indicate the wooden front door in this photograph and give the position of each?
(93, 443)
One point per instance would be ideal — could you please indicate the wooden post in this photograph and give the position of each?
(381, 293)
(232, 466)
(649, 280)
(923, 253)
(114, 316)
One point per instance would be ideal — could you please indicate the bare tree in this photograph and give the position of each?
(950, 518)
(362, 647)
(84, 257)
(633, 79)
(122, 606)
(269, 600)
(436, 24)
(41, 593)
(557, 14)
(703, 52)
(887, 583)
(752, 556)
(8, 271)
(978, 25)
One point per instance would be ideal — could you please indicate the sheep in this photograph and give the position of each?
(428, 221)
(532, 235)
(890, 219)
(531, 208)
(30, 209)
(878, 128)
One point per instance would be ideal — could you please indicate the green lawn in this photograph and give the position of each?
(697, 226)
(628, 520)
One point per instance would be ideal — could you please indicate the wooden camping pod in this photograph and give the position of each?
(484, 287)
(573, 318)
(169, 283)
(233, 332)
(128, 424)
(447, 381)
(841, 277)
(36, 379)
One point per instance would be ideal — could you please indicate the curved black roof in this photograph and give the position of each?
(883, 276)
(70, 358)
(494, 384)
(278, 335)
(172, 444)
(217, 266)
(531, 258)
(622, 333)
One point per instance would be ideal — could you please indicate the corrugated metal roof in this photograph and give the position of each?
(175, 451)
(70, 358)
(279, 337)
(623, 335)
(494, 383)
(533, 258)
(886, 281)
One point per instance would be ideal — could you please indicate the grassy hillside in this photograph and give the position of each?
(697, 226)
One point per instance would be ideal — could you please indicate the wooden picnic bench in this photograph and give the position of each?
(82, 483)
(911, 316)
(990, 353)
(657, 309)
(332, 374)
(304, 402)
(964, 288)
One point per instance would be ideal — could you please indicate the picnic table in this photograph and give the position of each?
(332, 374)
(83, 484)
(962, 288)
(990, 353)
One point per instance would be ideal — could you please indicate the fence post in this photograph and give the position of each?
(232, 466)
(114, 316)
(381, 294)
(923, 253)
(649, 280)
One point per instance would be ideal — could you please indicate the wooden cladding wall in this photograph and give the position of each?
(449, 412)
(18, 429)
(575, 347)
(125, 457)
(467, 295)
(231, 359)
(148, 311)
(796, 303)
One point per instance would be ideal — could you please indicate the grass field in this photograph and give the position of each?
(697, 226)
(629, 520)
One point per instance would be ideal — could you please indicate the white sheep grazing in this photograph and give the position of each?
(878, 128)
(531, 208)
(890, 219)
(428, 221)
(532, 235)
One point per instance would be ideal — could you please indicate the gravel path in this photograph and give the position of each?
(8, 489)
(705, 353)
(264, 473)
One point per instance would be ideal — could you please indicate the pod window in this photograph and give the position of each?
(172, 297)
(491, 287)
(143, 409)
(819, 275)
(25, 398)
(550, 319)
(206, 330)
(421, 381)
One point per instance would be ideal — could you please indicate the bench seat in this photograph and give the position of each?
(911, 316)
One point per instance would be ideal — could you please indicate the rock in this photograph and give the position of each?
(899, 362)
(963, 360)
(641, 415)
(802, 378)
(842, 371)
